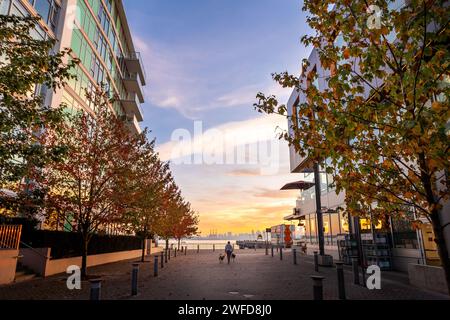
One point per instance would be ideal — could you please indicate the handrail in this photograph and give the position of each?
(33, 249)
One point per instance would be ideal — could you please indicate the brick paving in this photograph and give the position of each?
(253, 276)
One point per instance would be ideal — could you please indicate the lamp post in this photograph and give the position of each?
(319, 209)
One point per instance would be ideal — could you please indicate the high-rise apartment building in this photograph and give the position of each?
(98, 33)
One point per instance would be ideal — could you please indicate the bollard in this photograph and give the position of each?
(277, 248)
(170, 253)
(165, 256)
(317, 287)
(281, 253)
(182, 249)
(267, 250)
(96, 288)
(185, 250)
(162, 259)
(175, 253)
(214, 248)
(198, 248)
(155, 267)
(355, 270)
(341, 281)
(316, 261)
(134, 279)
(294, 253)
(272, 250)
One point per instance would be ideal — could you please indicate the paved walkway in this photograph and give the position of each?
(252, 276)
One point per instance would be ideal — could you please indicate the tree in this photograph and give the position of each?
(187, 224)
(382, 121)
(142, 214)
(26, 66)
(86, 188)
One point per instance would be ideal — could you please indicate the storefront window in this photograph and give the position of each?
(307, 229)
(327, 229)
(335, 227)
(313, 226)
(404, 234)
(345, 228)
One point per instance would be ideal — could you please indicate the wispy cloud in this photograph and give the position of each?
(244, 173)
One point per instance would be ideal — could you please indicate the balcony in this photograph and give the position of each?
(132, 124)
(132, 106)
(133, 84)
(134, 64)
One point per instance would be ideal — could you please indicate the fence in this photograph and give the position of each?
(68, 244)
(10, 236)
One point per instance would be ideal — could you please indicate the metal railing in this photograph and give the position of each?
(137, 56)
(10, 236)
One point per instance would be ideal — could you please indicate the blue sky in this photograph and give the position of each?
(206, 60)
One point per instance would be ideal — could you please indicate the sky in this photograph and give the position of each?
(205, 62)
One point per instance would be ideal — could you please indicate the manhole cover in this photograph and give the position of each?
(248, 296)
(233, 293)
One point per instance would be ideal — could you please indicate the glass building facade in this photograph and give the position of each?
(97, 32)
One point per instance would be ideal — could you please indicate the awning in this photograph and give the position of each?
(295, 216)
(299, 185)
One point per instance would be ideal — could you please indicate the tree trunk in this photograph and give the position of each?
(84, 253)
(143, 250)
(442, 246)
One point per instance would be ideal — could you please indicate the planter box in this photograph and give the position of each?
(427, 277)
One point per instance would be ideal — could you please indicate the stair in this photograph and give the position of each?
(23, 274)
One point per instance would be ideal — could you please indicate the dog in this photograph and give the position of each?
(221, 258)
(233, 256)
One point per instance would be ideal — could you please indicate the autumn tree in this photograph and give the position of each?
(142, 213)
(27, 67)
(382, 119)
(86, 188)
(187, 224)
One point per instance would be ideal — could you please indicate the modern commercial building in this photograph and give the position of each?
(393, 244)
(98, 33)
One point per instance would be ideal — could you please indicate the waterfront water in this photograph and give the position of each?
(204, 244)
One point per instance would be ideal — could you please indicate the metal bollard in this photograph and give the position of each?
(267, 250)
(198, 248)
(316, 261)
(294, 253)
(272, 250)
(162, 259)
(175, 253)
(185, 250)
(214, 248)
(341, 281)
(317, 287)
(134, 279)
(165, 256)
(182, 249)
(155, 267)
(277, 248)
(170, 253)
(355, 270)
(281, 253)
(96, 288)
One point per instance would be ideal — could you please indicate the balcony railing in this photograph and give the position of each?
(132, 106)
(133, 84)
(134, 64)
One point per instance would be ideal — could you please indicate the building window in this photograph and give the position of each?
(403, 233)
(335, 227)
(313, 226)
